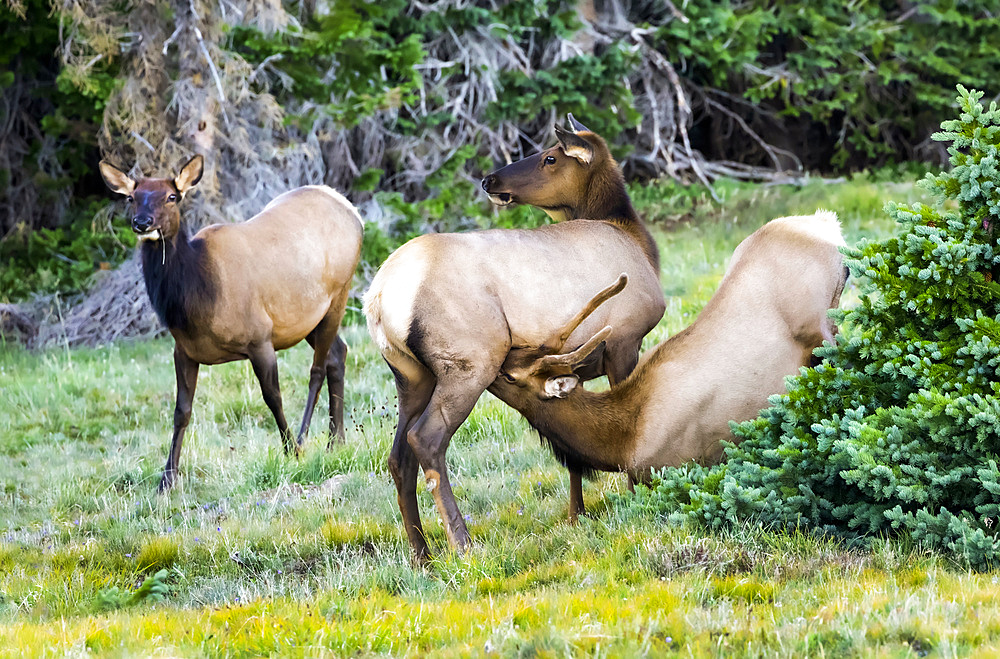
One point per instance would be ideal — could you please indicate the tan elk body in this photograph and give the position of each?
(243, 291)
(768, 314)
(445, 309)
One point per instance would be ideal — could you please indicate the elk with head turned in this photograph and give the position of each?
(243, 291)
(445, 309)
(761, 325)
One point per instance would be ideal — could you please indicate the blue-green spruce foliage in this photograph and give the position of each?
(897, 430)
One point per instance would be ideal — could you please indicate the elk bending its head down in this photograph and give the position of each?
(242, 291)
(445, 309)
(762, 324)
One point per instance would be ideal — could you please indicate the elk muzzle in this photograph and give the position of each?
(497, 198)
(141, 225)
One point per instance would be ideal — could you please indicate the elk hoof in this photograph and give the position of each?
(166, 482)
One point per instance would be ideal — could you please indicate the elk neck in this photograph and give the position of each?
(591, 431)
(608, 200)
(178, 280)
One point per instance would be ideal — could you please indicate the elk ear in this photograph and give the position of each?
(575, 146)
(575, 125)
(560, 386)
(190, 174)
(117, 180)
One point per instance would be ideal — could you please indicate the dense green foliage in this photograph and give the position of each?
(62, 259)
(868, 80)
(67, 111)
(896, 430)
(49, 145)
(373, 63)
(839, 86)
(872, 78)
(376, 46)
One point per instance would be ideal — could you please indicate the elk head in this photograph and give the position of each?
(154, 201)
(544, 371)
(556, 179)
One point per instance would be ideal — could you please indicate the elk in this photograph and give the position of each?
(768, 314)
(243, 291)
(445, 309)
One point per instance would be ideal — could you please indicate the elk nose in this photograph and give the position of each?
(141, 223)
(488, 182)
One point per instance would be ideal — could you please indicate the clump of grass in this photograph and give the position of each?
(539, 483)
(531, 579)
(745, 588)
(157, 554)
(362, 533)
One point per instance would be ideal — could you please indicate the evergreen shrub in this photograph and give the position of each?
(896, 431)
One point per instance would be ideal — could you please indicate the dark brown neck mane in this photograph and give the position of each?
(608, 200)
(177, 278)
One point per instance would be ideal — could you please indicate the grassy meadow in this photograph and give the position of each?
(257, 554)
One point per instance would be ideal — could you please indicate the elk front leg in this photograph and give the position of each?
(186, 370)
(576, 507)
(265, 367)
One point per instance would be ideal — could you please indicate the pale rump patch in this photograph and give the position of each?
(372, 304)
(822, 224)
(388, 303)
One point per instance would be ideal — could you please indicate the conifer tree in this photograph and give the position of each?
(897, 430)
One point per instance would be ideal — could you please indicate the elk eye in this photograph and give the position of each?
(508, 377)
(129, 199)
(550, 160)
(172, 197)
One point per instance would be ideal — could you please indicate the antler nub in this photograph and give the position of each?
(571, 359)
(559, 339)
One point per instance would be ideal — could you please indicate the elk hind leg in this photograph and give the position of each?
(413, 395)
(336, 365)
(455, 394)
(322, 339)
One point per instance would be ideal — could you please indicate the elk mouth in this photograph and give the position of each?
(152, 234)
(502, 199)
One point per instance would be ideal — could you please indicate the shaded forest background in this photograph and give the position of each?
(405, 105)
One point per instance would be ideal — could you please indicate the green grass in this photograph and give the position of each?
(254, 553)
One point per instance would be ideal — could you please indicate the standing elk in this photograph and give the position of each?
(445, 309)
(768, 314)
(243, 291)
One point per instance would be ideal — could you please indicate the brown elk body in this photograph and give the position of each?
(445, 309)
(768, 314)
(243, 291)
